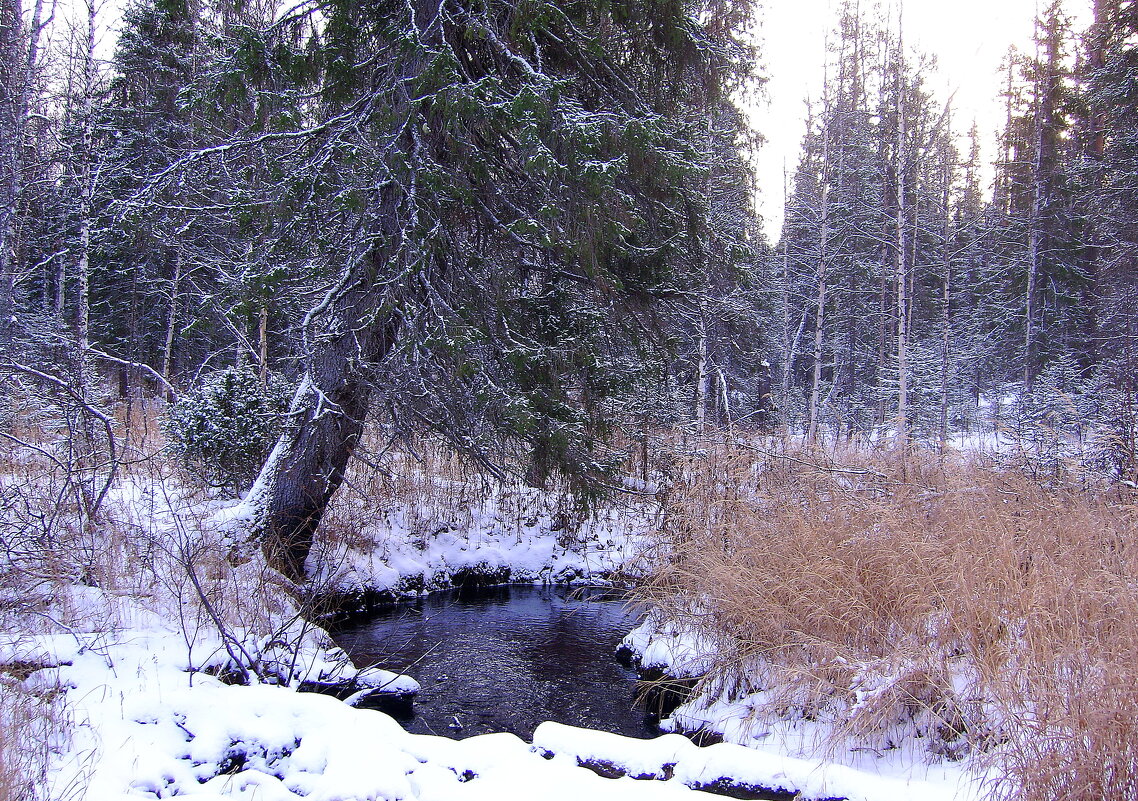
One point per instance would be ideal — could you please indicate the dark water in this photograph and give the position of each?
(506, 659)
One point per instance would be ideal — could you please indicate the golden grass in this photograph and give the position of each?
(975, 608)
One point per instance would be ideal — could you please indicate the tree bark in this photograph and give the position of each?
(87, 188)
(11, 19)
(902, 280)
(171, 326)
(263, 343)
(703, 375)
(820, 306)
(19, 60)
(326, 420)
(946, 304)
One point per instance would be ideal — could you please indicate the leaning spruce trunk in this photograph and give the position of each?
(325, 421)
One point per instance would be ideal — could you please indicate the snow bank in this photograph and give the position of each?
(150, 724)
(149, 727)
(514, 536)
(759, 751)
(724, 766)
(660, 644)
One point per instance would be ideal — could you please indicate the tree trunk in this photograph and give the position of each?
(1033, 253)
(325, 423)
(19, 60)
(902, 280)
(263, 343)
(946, 317)
(171, 325)
(11, 17)
(86, 177)
(703, 377)
(820, 306)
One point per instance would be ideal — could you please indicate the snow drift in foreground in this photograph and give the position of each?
(149, 724)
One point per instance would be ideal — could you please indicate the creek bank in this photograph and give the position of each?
(345, 605)
(705, 712)
(719, 769)
(515, 537)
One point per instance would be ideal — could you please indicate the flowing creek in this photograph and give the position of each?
(506, 659)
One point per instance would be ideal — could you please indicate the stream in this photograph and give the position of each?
(506, 659)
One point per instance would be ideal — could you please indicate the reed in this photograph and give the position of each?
(975, 608)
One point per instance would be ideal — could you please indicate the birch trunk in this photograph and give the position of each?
(19, 61)
(87, 188)
(171, 325)
(703, 378)
(820, 301)
(902, 282)
(263, 343)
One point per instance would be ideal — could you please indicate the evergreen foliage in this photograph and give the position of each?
(222, 430)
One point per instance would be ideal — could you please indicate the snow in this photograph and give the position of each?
(659, 644)
(151, 716)
(680, 760)
(154, 725)
(515, 535)
(150, 729)
(761, 751)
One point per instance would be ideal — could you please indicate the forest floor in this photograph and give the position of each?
(141, 659)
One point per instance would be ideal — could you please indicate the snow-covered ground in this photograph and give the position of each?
(144, 725)
(515, 536)
(150, 709)
(806, 756)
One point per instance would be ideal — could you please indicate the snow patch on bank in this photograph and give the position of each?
(677, 759)
(769, 752)
(515, 535)
(149, 723)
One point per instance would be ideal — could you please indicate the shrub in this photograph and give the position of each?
(222, 431)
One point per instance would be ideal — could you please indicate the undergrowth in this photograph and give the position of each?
(971, 608)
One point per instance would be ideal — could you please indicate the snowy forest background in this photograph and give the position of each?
(181, 209)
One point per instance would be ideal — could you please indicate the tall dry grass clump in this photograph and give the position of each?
(33, 727)
(974, 608)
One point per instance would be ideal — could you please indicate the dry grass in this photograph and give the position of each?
(975, 608)
(32, 728)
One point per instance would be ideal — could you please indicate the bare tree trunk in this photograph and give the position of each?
(703, 378)
(946, 341)
(883, 331)
(902, 282)
(787, 349)
(171, 324)
(11, 93)
(816, 380)
(724, 401)
(19, 61)
(820, 305)
(263, 343)
(1033, 248)
(87, 187)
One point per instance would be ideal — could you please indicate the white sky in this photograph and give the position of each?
(969, 38)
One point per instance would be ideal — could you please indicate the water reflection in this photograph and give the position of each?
(506, 659)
